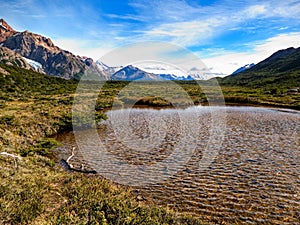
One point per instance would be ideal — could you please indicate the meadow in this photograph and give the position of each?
(35, 107)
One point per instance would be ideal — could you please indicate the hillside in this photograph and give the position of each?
(280, 70)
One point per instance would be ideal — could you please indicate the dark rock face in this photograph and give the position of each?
(55, 61)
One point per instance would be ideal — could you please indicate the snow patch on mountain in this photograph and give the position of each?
(160, 71)
(109, 70)
(170, 72)
(34, 64)
(246, 67)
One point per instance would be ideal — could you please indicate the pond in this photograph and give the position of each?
(222, 164)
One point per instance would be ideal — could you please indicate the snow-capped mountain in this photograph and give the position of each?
(109, 70)
(41, 54)
(197, 76)
(246, 67)
(169, 72)
(131, 73)
(145, 71)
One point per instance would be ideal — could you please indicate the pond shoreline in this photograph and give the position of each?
(259, 154)
(263, 105)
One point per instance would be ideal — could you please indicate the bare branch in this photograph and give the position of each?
(15, 157)
(70, 167)
(70, 157)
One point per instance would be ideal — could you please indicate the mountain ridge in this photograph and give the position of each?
(40, 50)
(30, 50)
(54, 60)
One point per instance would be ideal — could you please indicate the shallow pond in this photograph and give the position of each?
(240, 165)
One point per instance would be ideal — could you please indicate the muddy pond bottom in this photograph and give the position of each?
(222, 164)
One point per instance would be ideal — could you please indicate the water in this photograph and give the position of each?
(254, 177)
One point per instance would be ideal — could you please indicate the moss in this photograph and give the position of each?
(44, 147)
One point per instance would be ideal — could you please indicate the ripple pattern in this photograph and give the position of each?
(255, 178)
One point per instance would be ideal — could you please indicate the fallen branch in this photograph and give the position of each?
(68, 166)
(15, 157)
(70, 157)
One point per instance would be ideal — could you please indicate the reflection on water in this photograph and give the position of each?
(255, 178)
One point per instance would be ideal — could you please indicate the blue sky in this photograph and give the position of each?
(224, 34)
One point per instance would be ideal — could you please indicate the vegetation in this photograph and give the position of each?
(40, 192)
(34, 107)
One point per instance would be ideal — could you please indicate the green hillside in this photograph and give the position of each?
(281, 71)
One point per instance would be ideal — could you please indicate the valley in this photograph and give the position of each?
(47, 92)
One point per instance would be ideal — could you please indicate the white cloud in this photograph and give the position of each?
(186, 33)
(230, 61)
(255, 10)
(84, 48)
(224, 63)
(287, 8)
(279, 42)
(179, 22)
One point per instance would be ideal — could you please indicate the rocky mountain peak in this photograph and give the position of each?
(5, 30)
(54, 60)
(5, 26)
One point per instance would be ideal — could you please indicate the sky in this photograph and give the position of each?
(225, 35)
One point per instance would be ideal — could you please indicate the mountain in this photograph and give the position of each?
(168, 77)
(168, 72)
(107, 70)
(281, 68)
(39, 53)
(131, 73)
(174, 77)
(243, 68)
(54, 60)
(197, 75)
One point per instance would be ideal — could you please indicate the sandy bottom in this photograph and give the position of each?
(253, 179)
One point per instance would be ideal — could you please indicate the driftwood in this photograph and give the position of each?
(15, 157)
(69, 167)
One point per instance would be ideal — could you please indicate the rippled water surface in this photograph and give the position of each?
(253, 179)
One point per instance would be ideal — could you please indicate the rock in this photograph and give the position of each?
(10, 57)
